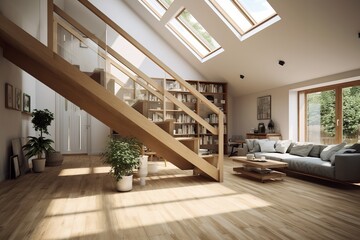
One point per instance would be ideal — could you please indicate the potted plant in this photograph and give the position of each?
(122, 153)
(37, 146)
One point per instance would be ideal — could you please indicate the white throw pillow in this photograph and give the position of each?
(330, 150)
(257, 144)
(267, 146)
(282, 146)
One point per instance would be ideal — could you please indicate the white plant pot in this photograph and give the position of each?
(124, 184)
(39, 164)
(152, 167)
(143, 169)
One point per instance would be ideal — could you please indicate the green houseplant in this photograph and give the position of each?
(37, 146)
(122, 154)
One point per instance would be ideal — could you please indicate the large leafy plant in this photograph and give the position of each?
(36, 146)
(122, 153)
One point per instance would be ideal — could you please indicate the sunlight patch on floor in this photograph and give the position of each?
(74, 171)
(83, 171)
(188, 209)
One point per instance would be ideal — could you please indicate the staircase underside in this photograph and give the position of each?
(36, 59)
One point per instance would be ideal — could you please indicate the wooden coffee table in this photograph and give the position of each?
(259, 169)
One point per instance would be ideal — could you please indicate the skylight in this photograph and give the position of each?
(193, 35)
(244, 16)
(156, 7)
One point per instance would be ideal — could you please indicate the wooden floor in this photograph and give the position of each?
(78, 201)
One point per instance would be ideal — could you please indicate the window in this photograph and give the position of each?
(156, 7)
(190, 32)
(332, 114)
(244, 16)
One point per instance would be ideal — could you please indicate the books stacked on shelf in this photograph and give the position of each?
(183, 97)
(185, 130)
(169, 116)
(206, 140)
(211, 88)
(213, 118)
(153, 98)
(203, 151)
(156, 117)
(203, 130)
(184, 118)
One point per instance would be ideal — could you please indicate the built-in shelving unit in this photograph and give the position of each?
(156, 110)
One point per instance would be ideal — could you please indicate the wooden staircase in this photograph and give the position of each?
(38, 60)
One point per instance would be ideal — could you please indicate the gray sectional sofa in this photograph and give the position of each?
(336, 162)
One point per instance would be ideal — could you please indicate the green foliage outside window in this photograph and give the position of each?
(324, 102)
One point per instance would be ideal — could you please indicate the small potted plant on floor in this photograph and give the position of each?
(37, 146)
(122, 153)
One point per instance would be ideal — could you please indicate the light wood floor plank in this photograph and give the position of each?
(78, 201)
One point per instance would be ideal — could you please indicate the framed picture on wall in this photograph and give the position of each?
(9, 96)
(26, 103)
(18, 99)
(264, 108)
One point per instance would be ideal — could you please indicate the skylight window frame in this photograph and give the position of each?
(153, 10)
(202, 57)
(245, 13)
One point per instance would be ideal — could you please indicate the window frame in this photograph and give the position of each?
(242, 10)
(302, 114)
(186, 41)
(151, 8)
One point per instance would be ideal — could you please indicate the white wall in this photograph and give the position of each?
(283, 105)
(14, 124)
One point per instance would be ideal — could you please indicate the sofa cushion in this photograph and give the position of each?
(275, 156)
(282, 146)
(330, 150)
(250, 144)
(311, 165)
(316, 150)
(301, 149)
(290, 147)
(267, 146)
(257, 144)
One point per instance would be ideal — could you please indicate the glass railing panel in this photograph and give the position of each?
(133, 77)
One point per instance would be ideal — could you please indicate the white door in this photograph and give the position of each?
(74, 128)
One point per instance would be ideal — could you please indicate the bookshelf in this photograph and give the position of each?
(184, 126)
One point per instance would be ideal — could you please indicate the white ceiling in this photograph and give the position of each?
(315, 38)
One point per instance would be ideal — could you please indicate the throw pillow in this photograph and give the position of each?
(257, 144)
(356, 146)
(267, 146)
(250, 144)
(316, 150)
(341, 151)
(301, 149)
(282, 146)
(290, 147)
(330, 150)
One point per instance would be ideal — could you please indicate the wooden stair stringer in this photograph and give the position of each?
(29, 54)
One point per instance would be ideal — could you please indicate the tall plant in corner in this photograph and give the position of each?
(37, 146)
